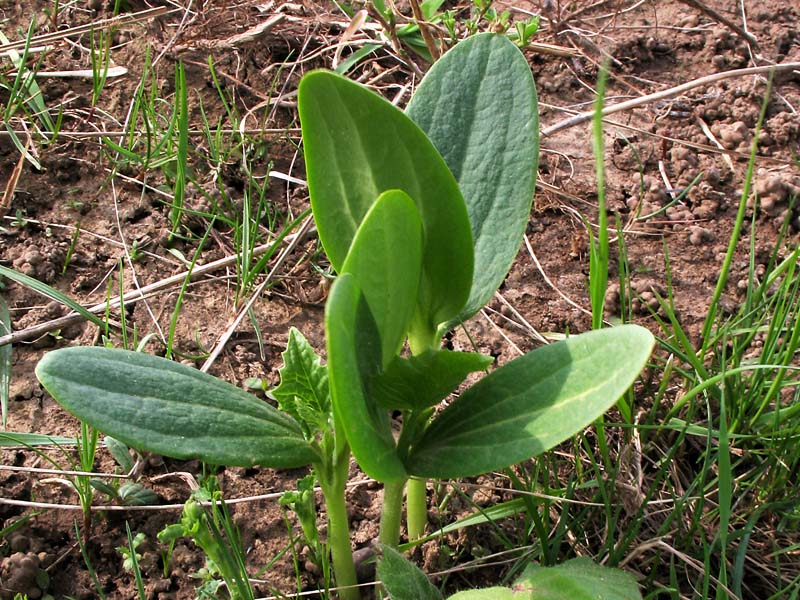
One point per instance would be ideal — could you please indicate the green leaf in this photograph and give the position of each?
(420, 381)
(403, 580)
(103, 487)
(353, 357)
(387, 277)
(120, 452)
(357, 146)
(135, 494)
(578, 579)
(430, 8)
(159, 405)
(532, 403)
(303, 390)
(356, 57)
(478, 106)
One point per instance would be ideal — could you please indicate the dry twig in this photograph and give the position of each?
(668, 93)
(737, 29)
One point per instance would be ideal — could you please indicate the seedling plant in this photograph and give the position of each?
(421, 215)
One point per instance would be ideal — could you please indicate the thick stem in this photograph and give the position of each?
(392, 513)
(339, 540)
(416, 508)
(422, 336)
(421, 340)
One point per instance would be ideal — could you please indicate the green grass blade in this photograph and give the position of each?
(722, 280)
(50, 292)
(173, 324)
(182, 155)
(598, 251)
(26, 440)
(725, 492)
(5, 360)
(137, 572)
(87, 560)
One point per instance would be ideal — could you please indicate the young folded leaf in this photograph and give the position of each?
(478, 106)
(159, 405)
(357, 146)
(421, 381)
(532, 403)
(389, 279)
(354, 350)
(303, 391)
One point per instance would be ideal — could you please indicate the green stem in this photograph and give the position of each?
(420, 340)
(416, 508)
(392, 513)
(339, 538)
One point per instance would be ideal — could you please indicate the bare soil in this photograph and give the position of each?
(652, 153)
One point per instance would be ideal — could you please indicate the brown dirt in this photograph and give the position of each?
(655, 45)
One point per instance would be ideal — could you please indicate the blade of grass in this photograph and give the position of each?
(5, 360)
(88, 562)
(722, 280)
(598, 250)
(725, 489)
(173, 324)
(50, 292)
(182, 156)
(27, 440)
(137, 573)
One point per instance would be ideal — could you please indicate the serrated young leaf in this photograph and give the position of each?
(303, 502)
(421, 381)
(403, 580)
(303, 390)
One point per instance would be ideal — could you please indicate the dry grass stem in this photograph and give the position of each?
(668, 93)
